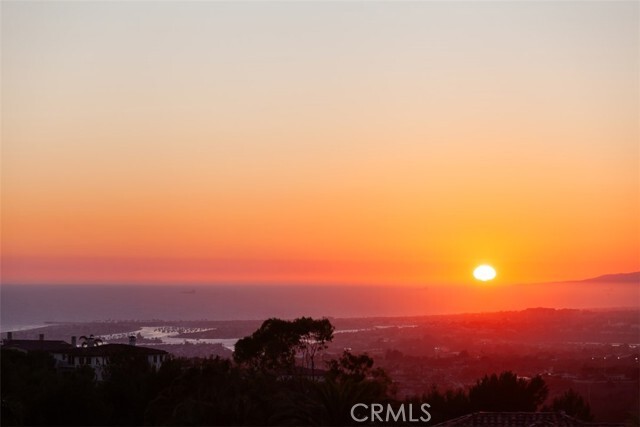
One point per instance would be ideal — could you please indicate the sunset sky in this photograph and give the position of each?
(319, 142)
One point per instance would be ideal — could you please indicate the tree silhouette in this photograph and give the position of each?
(90, 341)
(507, 392)
(355, 367)
(449, 403)
(314, 336)
(572, 404)
(35, 393)
(349, 380)
(273, 347)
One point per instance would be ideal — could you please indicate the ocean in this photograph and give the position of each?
(27, 306)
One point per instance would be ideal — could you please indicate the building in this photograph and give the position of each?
(98, 357)
(520, 419)
(91, 353)
(58, 349)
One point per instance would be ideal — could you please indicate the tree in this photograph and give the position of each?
(449, 403)
(273, 347)
(314, 336)
(572, 404)
(211, 391)
(358, 368)
(90, 341)
(127, 387)
(35, 393)
(507, 392)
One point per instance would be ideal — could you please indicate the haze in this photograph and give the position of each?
(318, 142)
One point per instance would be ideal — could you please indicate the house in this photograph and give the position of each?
(517, 419)
(99, 356)
(91, 353)
(56, 348)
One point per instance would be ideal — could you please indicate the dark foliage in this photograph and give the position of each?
(447, 405)
(34, 393)
(274, 345)
(255, 391)
(572, 404)
(507, 392)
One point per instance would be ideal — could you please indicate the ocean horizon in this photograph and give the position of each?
(30, 306)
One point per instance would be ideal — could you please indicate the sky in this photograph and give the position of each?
(319, 142)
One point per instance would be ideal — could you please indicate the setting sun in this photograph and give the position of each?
(484, 273)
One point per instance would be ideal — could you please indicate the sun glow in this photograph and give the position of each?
(484, 273)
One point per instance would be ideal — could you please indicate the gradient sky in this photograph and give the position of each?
(324, 142)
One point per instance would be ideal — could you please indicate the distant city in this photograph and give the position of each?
(594, 352)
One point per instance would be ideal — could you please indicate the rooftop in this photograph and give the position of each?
(52, 346)
(518, 419)
(59, 346)
(113, 349)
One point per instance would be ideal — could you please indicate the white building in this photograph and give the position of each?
(91, 353)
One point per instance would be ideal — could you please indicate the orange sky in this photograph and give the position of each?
(319, 142)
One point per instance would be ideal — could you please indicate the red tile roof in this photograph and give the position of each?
(518, 419)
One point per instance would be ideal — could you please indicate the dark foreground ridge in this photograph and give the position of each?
(305, 372)
(519, 419)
